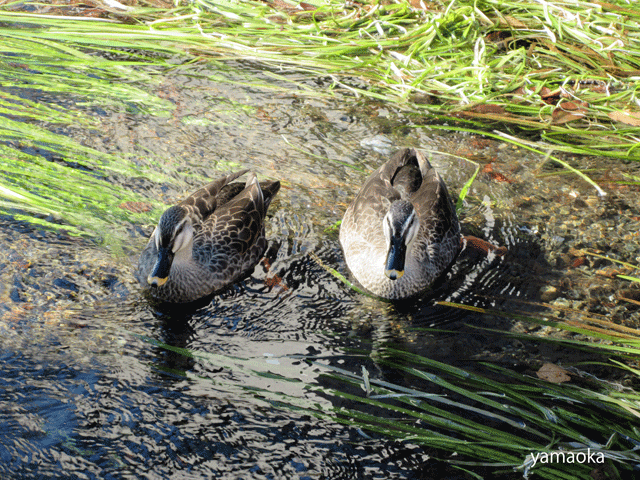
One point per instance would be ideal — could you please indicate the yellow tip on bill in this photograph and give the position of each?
(157, 281)
(394, 274)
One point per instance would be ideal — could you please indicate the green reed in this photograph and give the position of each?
(562, 70)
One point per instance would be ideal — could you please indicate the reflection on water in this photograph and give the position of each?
(98, 384)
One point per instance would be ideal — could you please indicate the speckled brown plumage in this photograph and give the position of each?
(210, 240)
(406, 177)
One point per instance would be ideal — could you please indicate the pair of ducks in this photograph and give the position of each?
(398, 235)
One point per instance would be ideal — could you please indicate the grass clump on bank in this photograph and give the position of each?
(566, 70)
(563, 73)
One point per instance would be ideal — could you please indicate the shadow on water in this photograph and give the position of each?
(431, 328)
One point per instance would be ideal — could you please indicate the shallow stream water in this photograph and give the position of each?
(95, 383)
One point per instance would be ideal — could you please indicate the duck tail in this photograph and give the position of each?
(269, 190)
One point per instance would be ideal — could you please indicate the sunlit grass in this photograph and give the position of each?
(564, 69)
(48, 178)
(558, 69)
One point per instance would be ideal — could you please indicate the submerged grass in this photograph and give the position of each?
(565, 71)
(506, 424)
(48, 178)
(494, 421)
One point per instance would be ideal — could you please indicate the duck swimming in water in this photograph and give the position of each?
(210, 240)
(401, 232)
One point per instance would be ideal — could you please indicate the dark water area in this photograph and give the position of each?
(96, 382)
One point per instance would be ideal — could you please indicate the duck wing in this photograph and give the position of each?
(433, 202)
(204, 201)
(374, 198)
(236, 225)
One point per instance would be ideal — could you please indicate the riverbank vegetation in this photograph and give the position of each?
(562, 74)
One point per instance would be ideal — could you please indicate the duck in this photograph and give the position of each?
(207, 242)
(401, 231)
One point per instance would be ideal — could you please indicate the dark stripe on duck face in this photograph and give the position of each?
(400, 217)
(400, 220)
(404, 230)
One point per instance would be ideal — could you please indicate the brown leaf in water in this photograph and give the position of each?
(489, 111)
(552, 96)
(574, 105)
(568, 112)
(559, 116)
(286, 7)
(478, 143)
(421, 4)
(553, 373)
(578, 262)
(497, 176)
(136, 207)
(630, 118)
(512, 22)
(546, 92)
(488, 108)
(610, 272)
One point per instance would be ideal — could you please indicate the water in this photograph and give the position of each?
(98, 384)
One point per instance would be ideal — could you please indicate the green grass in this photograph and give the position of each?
(457, 58)
(446, 60)
(494, 419)
(36, 179)
(564, 72)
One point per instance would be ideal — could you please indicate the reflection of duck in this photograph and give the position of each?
(208, 241)
(401, 231)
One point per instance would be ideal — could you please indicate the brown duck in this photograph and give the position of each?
(401, 232)
(208, 241)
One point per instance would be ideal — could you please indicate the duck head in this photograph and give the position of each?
(173, 234)
(400, 226)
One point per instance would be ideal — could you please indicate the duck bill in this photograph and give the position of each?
(160, 273)
(394, 268)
